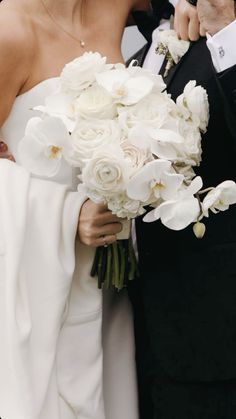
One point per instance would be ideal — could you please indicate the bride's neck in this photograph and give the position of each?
(64, 9)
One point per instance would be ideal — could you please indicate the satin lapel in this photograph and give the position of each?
(139, 55)
(168, 79)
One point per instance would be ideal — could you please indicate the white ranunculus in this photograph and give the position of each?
(177, 214)
(80, 73)
(125, 89)
(176, 47)
(107, 172)
(154, 111)
(94, 103)
(124, 207)
(45, 144)
(220, 198)
(89, 135)
(193, 104)
(156, 180)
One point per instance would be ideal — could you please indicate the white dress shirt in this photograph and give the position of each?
(154, 61)
(221, 46)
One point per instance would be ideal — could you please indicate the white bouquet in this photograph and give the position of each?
(135, 147)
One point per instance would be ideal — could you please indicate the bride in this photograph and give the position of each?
(55, 362)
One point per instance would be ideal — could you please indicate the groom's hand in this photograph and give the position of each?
(214, 15)
(4, 153)
(186, 22)
(97, 225)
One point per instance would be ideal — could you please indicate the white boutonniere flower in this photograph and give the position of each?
(172, 47)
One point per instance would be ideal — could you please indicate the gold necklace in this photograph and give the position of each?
(80, 41)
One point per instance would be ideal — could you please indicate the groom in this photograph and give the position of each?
(185, 301)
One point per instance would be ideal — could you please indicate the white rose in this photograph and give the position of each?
(136, 156)
(192, 149)
(176, 47)
(90, 135)
(95, 102)
(154, 110)
(107, 172)
(80, 73)
(193, 104)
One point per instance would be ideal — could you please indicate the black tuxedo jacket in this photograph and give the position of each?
(187, 285)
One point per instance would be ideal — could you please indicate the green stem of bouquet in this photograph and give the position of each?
(115, 265)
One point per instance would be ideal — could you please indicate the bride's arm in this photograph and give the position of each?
(16, 52)
(17, 56)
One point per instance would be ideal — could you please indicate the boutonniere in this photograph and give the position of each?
(172, 47)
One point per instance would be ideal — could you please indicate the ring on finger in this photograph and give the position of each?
(105, 244)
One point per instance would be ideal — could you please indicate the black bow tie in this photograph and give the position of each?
(148, 21)
(162, 9)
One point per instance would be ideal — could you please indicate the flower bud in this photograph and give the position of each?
(199, 230)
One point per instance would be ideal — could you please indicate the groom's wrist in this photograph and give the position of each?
(222, 48)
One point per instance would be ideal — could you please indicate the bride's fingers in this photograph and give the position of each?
(3, 147)
(105, 240)
(4, 153)
(7, 156)
(110, 229)
(107, 218)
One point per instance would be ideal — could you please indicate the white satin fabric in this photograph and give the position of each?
(61, 357)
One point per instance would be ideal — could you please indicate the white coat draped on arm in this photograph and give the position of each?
(38, 222)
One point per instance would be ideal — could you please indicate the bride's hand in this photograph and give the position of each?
(4, 153)
(97, 225)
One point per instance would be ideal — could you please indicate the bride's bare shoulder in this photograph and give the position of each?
(15, 29)
(16, 52)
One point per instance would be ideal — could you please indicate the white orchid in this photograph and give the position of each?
(220, 198)
(45, 144)
(156, 180)
(158, 82)
(177, 214)
(60, 106)
(123, 88)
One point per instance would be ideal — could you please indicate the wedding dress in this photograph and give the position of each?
(66, 349)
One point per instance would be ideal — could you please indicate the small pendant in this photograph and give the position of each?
(82, 43)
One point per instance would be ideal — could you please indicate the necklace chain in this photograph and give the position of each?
(79, 41)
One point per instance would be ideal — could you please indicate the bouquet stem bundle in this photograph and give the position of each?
(115, 265)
